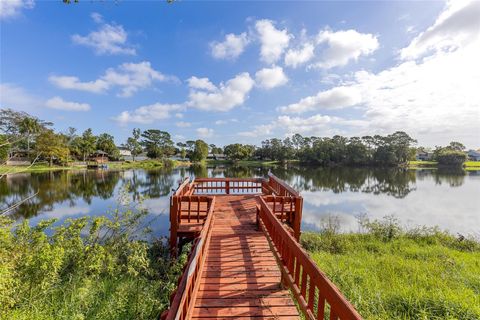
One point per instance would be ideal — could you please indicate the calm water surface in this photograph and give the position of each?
(448, 199)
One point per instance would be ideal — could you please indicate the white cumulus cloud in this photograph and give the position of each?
(129, 77)
(458, 25)
(344, 46)
(273, 41)
(269, 78)
(183, 124)
(60, 104)
(205, 132)
(297, 57)
(231, 47)
(222, 98)
(12, 8)
(336, 98)
(148, 114)
(108, 39)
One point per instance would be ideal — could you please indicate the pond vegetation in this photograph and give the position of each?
(105, 267)
(388, 272)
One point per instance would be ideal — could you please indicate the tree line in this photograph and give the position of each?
(33, 136)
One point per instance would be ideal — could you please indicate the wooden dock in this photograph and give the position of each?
(246, 262)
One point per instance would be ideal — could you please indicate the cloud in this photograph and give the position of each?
(12, 8)
(201, 83)
(319, 125)
(458, 25)
(221, 122)
(60, 104)
(205, 132)
(269, 78)
(297, 57)
(183, 124)
(273, 41)
(148, 114)
(109, 39)
(222, 98)
(258, 131)
(231, 47)
(344, 46)
(16, 97)
(435, 99)
(129, 77)
(336, 98)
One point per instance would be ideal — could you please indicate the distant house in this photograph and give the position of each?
(125, 153)
(216, 156)
(473, 155)
(424, 156)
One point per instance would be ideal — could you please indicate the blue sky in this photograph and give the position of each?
(246, 71)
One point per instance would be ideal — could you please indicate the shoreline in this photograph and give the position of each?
(156, 164)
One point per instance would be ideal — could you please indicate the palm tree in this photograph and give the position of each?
(29, 127)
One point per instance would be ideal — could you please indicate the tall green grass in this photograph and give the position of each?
(87, 268)
(391, 273)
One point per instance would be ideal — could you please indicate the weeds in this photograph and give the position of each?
(389, 272)
(87, 268)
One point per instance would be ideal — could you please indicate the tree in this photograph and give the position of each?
(215, 150)
(87, 143)
(200, 151)
(158, 144)
(449, 157)
(133, 144)
(239, 151)
(456, 146)
(52, 147)
(4, 148)
(106, 143)
(29, 126)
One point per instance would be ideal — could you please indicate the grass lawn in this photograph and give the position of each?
(429, 276)
(35, 168)
(468, 165)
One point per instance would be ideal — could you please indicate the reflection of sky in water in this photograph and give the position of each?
(415, 198)
(454, 208)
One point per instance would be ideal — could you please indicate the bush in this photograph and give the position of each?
(451, 157)
(86, 268)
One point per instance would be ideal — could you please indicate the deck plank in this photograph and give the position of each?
(241, 278)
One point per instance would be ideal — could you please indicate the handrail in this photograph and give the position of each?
(280, 187)
(228, 185)
(181, 306)
(310, 286)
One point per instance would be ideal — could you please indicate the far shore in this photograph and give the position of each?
(156, 164)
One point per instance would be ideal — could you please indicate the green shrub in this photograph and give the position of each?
(86, 268)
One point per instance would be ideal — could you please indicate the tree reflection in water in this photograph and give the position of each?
(67, 188)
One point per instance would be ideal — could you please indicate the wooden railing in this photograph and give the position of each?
(182, 300)
(286, 201)
(217, 186)
(280, 188)
(316, 295)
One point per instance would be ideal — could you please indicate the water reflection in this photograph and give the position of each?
(431, 197)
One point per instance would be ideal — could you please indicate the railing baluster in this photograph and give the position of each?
(320, 306)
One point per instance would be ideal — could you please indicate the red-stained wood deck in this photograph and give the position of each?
(241, 278)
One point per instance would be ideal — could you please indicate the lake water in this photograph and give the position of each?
(448, 199)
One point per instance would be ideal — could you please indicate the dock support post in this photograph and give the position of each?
(297, 223)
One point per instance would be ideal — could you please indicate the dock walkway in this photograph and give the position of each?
(241, 278)
(246, 261)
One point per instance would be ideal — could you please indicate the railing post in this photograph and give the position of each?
(173, 225)
(298, 218)
(227, 186)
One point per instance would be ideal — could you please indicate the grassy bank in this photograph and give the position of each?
(88, 268)
(144, 164)
(36, 168)
(468, 165)
(390, 273)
